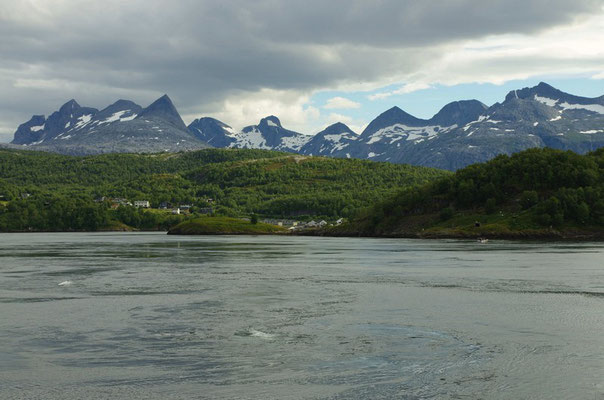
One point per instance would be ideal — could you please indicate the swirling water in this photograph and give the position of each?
(146, 315)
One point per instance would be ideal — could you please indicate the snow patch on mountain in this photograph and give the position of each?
(114, 117)
(335, 141)
(399, 131)
(469, 124)
(118, 116)
(545, 100)
(294, 142)
(589, 107)
(83, 121)
(252, 139)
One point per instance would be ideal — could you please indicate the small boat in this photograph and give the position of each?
(483, 240)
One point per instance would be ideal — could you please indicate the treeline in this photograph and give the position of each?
(306, 186)
(63, 214)
(550, 187)
(44, 191)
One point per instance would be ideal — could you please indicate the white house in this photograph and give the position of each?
(142, 203)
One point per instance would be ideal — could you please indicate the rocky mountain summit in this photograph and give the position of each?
(461, 133)
(121, 127)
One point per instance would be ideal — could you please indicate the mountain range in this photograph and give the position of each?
(461, 133)
(122, 127)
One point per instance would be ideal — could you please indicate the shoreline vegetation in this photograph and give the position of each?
(52, 192)
(537, 194)
(224, 226)
(532, 195)
(548, 234)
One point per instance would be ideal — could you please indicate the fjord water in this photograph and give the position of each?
(146, 315)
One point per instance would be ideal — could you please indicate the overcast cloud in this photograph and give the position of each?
(240, 60)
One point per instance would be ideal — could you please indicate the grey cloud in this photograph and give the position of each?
(410, 23)
(201, 52)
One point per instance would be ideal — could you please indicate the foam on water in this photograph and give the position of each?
(260, 334)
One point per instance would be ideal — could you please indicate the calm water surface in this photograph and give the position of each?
(146, 315)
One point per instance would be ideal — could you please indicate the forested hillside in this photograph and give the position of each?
(45, 191)
(538, 191)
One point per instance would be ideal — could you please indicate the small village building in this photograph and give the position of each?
(176, 211)
(121, 201)
(142, 203)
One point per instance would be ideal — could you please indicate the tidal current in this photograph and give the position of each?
(152, 316)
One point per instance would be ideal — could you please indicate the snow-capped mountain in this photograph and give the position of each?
(461, 133)
(71, 116)
(541, 116)
(212, 131)
(121, 127)
(330, 140)
(466, 132)
(395, 132)
(269, 135)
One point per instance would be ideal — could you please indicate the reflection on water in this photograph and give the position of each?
(140, 315)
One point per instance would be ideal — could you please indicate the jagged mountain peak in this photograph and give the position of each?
(122, 104)
(519, 109)
(119, 109)
(70, 106)
(209, 120)
(271, 120)
(545, 86)
(549, 95)
(336, 128)
(270, 134)
(120, 127)
(462, 132)
(542, 90)
(391, 117)
(330, 140)
(459, 113)
(212, 131)
(164, 109)
(162, 103)
(30, 131)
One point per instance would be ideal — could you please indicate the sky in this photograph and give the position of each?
(311, 63)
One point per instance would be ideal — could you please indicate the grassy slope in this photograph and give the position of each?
(223, 226)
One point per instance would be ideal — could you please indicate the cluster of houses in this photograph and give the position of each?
(297, 225)
(177, 209)
(181, 208)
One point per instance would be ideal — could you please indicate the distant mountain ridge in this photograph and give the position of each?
(461, 133)
(122, 127)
